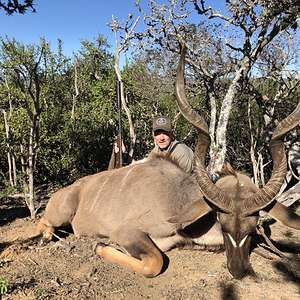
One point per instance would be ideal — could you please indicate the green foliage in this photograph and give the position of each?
(15, 6)
(73, 148)
(76, 145)
(40, 293)
(149, 88)
(71, 145)
(78, 123)
(5, 287)
(249, 107)
(296, 207)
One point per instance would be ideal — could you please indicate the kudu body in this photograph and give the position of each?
(131, 206)
(151, 206)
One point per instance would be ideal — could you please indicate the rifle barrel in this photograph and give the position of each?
(119, 139)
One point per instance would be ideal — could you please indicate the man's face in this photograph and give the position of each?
(162, 138)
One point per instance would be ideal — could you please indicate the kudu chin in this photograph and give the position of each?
(153, 205)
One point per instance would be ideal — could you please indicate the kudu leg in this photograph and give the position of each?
(46, 230)
(149, 264)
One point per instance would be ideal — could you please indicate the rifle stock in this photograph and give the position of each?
(118, 155)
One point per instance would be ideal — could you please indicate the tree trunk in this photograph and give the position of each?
(294, 159)
(252, 147)
(31, 154)
(8, 147)
(221, 131)
(127, 110)
(74, 97)
(34, 131)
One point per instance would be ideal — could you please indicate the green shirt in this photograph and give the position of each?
(181, 153)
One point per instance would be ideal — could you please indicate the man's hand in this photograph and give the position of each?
(116, 148)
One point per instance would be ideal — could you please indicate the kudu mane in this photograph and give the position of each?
(227, 170)
(153, 156)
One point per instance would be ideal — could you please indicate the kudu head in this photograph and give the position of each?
(235, 197)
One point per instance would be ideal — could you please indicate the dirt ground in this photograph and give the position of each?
(67, 269)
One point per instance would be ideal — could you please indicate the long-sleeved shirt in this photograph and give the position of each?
(181, 153)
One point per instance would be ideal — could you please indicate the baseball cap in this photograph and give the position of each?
(162, 123)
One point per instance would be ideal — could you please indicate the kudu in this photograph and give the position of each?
(151, 206)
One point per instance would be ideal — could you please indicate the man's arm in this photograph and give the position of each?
(184, 156)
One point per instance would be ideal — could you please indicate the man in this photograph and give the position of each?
(162, 133)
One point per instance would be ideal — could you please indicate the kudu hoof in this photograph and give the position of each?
(94, 245)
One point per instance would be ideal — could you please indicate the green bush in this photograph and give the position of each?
(5, 287)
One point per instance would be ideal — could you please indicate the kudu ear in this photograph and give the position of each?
(191, 212)
(285, 215)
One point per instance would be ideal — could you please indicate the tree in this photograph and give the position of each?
(63, 141)
(95, 124)
(147, 91)
(213, 54)
(128, 28)
(77, 136)
(9, 139)
(274, 93)
(15, 6)
(149, 88)
(23, 64)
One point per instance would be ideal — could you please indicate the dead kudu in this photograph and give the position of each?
(151, 206)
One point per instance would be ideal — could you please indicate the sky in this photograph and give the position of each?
(70, 21)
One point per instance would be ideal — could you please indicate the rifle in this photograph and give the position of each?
(119, 137)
